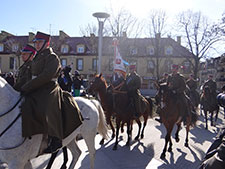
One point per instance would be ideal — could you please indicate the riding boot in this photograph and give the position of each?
(54, 144)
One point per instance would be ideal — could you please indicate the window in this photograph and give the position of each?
(169, 50)
(1, 47)
(94, 64)
(80, 64)
(167, 66)
(63, 62)
(133, 51)
(150, 66)
(150, 50)
(15, 47)
(186, 67)
(80, 48)
(12, 63)
(64, 49)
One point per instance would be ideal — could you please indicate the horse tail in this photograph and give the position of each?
(194, 118)
(102, 125)
(150, 105)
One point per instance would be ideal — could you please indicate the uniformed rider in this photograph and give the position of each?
(212, 88)
(41, 111)
(24, 73)
(177, 85)
(133, 82)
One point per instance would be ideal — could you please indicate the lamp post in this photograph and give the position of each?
(101, 17)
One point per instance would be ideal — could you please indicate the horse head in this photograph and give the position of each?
(162, 94)
(97, 84)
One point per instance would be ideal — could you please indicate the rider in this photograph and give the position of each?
(212, 88)
(176, 84)
(24, 74)
(191, 83)
(164, 79)
(43, 96)
(77, 82)
(133, 82)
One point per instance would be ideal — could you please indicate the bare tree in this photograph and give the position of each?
(89, 29)
(199, 34)
(123, 22)
(156, 26)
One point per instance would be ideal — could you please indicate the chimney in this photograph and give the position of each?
(158, 35)
(179, 40)
(124, 34)
(31, 36)
(62, 35)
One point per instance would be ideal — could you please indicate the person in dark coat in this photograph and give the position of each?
(76, 84)
(42, 111)
(215, 156)
(133, 82)
(164, 79)
(24, 74)
(61, 81)
(10, 78)
(67, 78)
(177, 85)
(212, 88)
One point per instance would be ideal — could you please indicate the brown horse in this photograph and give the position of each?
(119, 102)
(209, 104)
(170, 115)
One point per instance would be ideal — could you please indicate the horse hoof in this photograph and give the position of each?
(177, 140)
(170, 149)
(163, 156)
(63, 167)
(115, 148)
(136, 138)
(101, 142)
(186, 145)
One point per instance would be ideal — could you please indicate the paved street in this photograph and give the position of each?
(146, 152)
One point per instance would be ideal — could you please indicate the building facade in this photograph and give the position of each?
(152, 56)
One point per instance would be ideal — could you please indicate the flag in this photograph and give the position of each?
(118, 61)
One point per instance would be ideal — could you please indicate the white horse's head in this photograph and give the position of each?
(7, 95)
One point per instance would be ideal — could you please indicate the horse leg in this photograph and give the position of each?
(108, 120)
(53, 156)
(118, 121)
(122, 127)
(139, 128)
(65, 156)
(177, 132)
(144, 125)
(206, 120)
(211, 117)
(167, 139)
(90, 141)
(128, 133)
(75, 151)
(187, 133)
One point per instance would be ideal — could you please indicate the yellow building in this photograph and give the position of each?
(152, 56)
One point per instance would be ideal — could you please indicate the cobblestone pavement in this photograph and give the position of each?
(146, 152)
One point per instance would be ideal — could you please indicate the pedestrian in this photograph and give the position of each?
(76, 84)
(24, 74)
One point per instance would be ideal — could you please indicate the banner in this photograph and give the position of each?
(118, 63)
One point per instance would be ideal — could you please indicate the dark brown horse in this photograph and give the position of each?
(119, 102)
(170, 114)
(209, 104)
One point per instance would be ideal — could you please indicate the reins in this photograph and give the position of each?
(10, 125)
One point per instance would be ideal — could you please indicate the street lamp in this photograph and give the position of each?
(101, 16)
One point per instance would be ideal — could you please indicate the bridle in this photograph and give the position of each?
(10, 125)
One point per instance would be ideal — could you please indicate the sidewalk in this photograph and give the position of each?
(145, 154)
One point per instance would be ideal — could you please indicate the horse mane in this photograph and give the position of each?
(102, 79)
(6, 85)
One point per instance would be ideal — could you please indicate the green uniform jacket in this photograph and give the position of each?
(176, 82)
(24, 75)
(42, 111)
(192, 84)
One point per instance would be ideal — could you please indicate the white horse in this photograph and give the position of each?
(16, 151)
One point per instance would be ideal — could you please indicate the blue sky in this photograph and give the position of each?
(22, 16)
